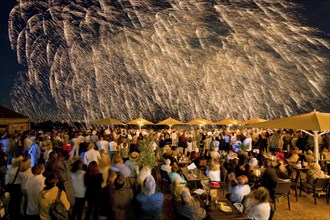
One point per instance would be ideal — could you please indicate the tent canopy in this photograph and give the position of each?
(227, 121)
(316, 121)
(170, 121)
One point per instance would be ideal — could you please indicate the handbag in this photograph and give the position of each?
(11, 187)
(57, 210)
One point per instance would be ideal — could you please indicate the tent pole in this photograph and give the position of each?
(316, 146)
(316, 143)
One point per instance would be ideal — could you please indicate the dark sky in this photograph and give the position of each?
(317, 13)
(8, 60)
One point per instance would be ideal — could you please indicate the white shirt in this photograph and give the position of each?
(214, 175)
(189, 147)
(238, 192)
(34, 185)
(174, 136)
(113, 146)
(24, 178)
(92, 155)
(79, 188)
(103, 145)
(215, 143)
(10, 175)
(260, 211)
(248, 142)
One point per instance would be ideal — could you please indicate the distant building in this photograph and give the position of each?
(11, 120)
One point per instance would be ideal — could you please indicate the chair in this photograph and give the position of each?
(282, 189)
(223, 173)
(294, 183)
(321, 184)
(165, 179)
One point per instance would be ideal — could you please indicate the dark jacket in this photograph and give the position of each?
(121, 200)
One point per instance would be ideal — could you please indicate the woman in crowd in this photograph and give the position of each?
(149, 203)
(119, 166)
(238, 191)
(261, 210)
(176, 190)
(104, 166)
(79, 189)
(213, 174)
(189, 207)
(166, 166)
(214, 153)
(309, 157)
(25, 173)
(34, 186)
(176, 173)
(314, 173)
(48, 195)
(93, 180)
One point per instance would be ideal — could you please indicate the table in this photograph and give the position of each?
(215, 213)
(184, 162)
(196, 176)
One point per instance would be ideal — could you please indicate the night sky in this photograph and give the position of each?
(317, 14)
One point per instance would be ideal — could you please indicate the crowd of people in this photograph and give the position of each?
(100, 168)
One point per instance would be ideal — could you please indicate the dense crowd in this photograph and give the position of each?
(102, 168)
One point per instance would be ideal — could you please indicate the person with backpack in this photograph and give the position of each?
(48, 196)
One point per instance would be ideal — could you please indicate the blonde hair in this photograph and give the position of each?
(111, 177)
(105, 160)
(185, 195)
(144, 173)
(214, 166)
(261, 194)
(90, 146)
(242, 179)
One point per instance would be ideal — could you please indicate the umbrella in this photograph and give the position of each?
(170, 122)
(107, 121)
(200, 122)
(252, 121)
(140, 122)
(315, 121)
(227, 121)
